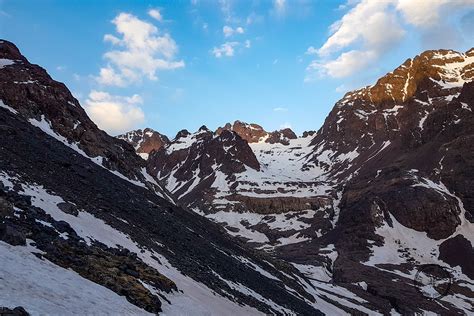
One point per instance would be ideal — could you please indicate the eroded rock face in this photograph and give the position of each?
(145, 141)
(278, 204)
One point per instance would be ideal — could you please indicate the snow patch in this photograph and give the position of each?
(6, 62)
(42, 287)
(9, 108)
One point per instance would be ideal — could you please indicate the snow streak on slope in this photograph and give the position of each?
(41, 286)
(45, 126)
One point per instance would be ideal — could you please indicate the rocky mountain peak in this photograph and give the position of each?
(182, 134)
(8, 50)
(308, 133)
(254, 133)
(203, 128)
(145, 141)
(445, 68)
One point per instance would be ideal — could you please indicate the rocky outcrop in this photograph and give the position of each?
(279, 204)
(17, 311)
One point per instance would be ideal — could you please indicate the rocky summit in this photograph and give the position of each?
(240, 221)
(145, 141)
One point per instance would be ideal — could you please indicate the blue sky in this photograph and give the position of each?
(182, 64)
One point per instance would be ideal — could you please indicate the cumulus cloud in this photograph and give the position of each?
(229, 31)
(344, 65)
(427, 13)
(141, 51)
(371, 28)
(114, 114)
(156, 14)
(226, 49)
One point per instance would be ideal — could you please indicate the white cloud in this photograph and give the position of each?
(226, 49)
(371, 28)
(142, 51)
(229, 31)
(311, 51)
(114, 114)
(344, 65)
(366, 22)
(156, 14)
(279, 6)
(226, 9)
(426, 13)
(280, 109)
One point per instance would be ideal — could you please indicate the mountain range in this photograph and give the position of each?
(240, 220)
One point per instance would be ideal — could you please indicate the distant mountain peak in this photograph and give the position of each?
(145, 141)
(254, 133)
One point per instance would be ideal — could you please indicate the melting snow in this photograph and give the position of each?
(9, 108)
(6, 62)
